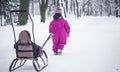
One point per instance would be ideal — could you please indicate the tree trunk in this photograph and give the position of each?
(23, 17)
(0, 13)
(119, 8)
(0, 7)
(43, 8)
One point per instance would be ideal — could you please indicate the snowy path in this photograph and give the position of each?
(94, 46)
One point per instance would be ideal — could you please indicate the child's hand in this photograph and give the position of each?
(68, 35)
(51, 34)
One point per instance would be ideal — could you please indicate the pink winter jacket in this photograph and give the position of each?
(59, 28)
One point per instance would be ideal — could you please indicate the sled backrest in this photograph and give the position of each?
(25, 47)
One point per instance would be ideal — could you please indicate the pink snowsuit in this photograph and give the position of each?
(59, 28)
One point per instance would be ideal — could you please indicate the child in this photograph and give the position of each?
(60, 30)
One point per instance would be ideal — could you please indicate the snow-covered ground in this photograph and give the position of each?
(93, 46)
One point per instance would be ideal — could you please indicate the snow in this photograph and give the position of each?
(93, 46)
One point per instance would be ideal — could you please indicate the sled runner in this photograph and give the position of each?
(28, 50)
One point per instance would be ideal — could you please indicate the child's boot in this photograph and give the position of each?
(55, 53)
(59, 51)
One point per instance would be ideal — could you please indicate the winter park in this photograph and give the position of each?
(92, 41)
